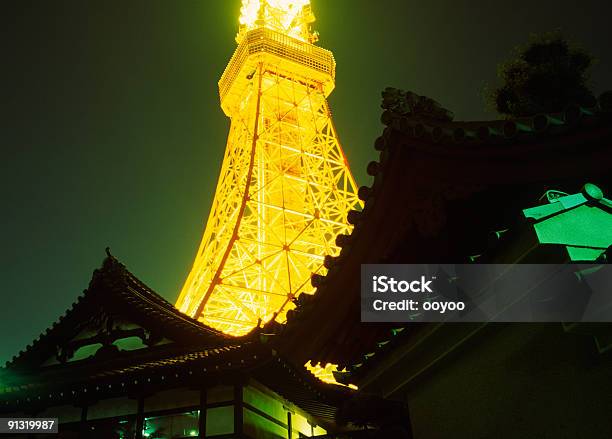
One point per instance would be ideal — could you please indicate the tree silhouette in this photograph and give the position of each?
(545, 76)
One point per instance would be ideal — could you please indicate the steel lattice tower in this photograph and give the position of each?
(285, 186)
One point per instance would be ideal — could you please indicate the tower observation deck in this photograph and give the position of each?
(285, 186)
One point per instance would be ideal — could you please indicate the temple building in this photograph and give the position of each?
(125, 363)
(266, 341)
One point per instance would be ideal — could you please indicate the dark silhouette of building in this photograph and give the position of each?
(464, 192)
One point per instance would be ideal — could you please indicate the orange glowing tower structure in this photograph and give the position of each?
(285, 186)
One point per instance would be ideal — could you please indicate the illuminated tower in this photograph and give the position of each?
(285, 186)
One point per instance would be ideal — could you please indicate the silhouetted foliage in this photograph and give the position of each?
(409, 103)
(545, 76)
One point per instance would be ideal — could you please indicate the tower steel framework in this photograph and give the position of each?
(285, 186)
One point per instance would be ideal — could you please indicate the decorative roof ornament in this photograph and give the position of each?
(552, 196)
(592, 192)
(581, 222)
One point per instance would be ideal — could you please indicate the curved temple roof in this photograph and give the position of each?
(443, 191)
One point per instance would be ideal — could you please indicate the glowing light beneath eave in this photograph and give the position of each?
(326, 374)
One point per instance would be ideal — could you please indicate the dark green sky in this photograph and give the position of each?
(112, 134)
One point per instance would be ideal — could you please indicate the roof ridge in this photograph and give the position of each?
(139, 289)
(115, 278)
(413, 115)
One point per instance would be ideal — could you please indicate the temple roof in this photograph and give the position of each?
(173, 351)
(116, 293)
(172, 368)
(443, 192)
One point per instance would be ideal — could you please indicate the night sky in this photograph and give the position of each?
(112, 134)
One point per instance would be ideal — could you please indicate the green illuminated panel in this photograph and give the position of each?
(171, 426)
(267, 404)
(129, 343)
(584, 254)
(219, 420)
(299, 424)
(583, 226)
(581, 222)
(258, 427)
(85, 352)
